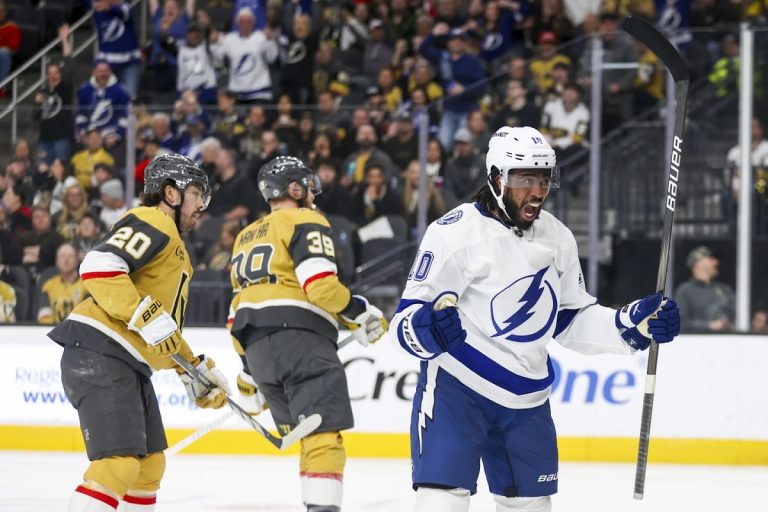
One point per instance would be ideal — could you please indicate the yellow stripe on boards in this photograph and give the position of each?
(584, 449)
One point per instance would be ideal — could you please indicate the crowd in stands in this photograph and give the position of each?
(344, 85)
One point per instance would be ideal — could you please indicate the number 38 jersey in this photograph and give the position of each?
(142, 255)
(284, 276)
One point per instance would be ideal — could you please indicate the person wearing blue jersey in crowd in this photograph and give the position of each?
(169, 29)
(493, 282)
(102, 104)
(118, 44)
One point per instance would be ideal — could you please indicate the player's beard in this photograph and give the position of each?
(514, 211)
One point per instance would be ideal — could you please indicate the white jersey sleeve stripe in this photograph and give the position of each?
(312, 267)
(97, 262)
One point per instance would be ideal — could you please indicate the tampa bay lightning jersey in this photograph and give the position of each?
(248, 63)
(517, 290)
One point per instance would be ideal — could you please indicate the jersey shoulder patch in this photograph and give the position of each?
(450, 217)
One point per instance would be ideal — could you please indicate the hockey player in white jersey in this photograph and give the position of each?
(493, 282)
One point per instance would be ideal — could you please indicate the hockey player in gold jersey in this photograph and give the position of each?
(138, 281)
(284, 319)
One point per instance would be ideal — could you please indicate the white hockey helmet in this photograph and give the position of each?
(518, 148)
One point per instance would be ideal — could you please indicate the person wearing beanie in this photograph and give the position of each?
(113, 202)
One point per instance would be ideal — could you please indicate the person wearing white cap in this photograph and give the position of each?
(378, 52)
(494, 281)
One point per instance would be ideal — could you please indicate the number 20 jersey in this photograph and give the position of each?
(143, 254)
(284, 275)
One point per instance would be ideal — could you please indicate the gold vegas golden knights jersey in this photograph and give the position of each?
(284, 277)
(58, 298)
(141, 255)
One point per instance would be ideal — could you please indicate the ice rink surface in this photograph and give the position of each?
(42, 481)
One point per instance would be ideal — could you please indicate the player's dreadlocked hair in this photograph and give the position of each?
(485, 198)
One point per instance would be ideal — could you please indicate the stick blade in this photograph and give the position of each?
(303, 429)
(658, 44)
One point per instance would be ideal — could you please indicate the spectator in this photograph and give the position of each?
(435, 201)
(18, 174)
(424, 77)
(235, 198)
(435, 159)
(401, 20)
(84, 161)
(622, 8)
(286, 126)
(18, 214)
(219, 255)
(321, 150)
(517, 109)
(561, 76)
(187, 105)
(758, 163)
(393, 95)
(270, 148)
(354, 167)
(22, 152)
(478, 129)
(62, 292)
(227, 125)
(113, 202)
(496, 32)
(461, 74)
(705, 303)
(102, 173)
(374, 198)
(192, 137)
(464, 173)
(161, 130)
(353, 34)
(329, 71)
(248, 144)
(74, 206)
(249, 54)
(170, 26)
(649, 81)
(725, 72)
(335, 199)
(102, 104)
(193, 64)
(447, 13)
(55, 114)
(118, 45)
(517, 69)
(62, 180)
(549, 16)
(10, 41)
(298, 62)
(39, 245)
(417, 104)
(377, 109)
(151, 149)
(547, 57)
(10, 252)
(565, 123)
(209, 153)
(618, 84)
(378, 52)
(403, 145)
(759, 323)
(328, 119)
(305, 138)
(7, 303)
(88, 234)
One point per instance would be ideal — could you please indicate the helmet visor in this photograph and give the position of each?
(204, 190)
(533, 178)
(315, 186)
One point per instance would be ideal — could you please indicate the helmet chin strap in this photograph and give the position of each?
(176, 209)
(498, 196)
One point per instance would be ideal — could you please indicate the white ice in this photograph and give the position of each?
(43, 481)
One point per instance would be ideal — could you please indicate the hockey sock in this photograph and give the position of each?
(138, 503)
(85, 499)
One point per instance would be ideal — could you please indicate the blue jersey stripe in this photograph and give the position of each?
(564, 319)
(495, 373)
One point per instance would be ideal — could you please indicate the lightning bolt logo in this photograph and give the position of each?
(427, 402)
(533, 296)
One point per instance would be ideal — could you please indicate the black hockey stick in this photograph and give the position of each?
(303, 429)
(666, 52)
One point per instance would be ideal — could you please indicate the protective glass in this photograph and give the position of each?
(534, 178)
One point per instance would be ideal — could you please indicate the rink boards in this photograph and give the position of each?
(711, 402)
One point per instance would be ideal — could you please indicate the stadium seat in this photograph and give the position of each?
(209, 296)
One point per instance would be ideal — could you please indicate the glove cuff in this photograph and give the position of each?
(356, 306)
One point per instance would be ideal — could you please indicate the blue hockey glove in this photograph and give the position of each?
(437, 325)
(650, 317)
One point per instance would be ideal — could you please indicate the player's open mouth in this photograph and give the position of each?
(530, 211)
